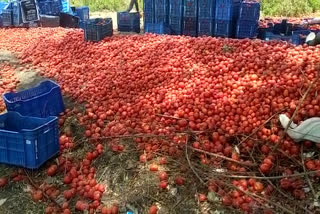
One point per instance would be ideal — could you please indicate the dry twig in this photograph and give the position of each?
(286, 210)
(265, 178)
(171, 117)
(260, 127)
(223, 157)
(306, 176)
(44, 194)
(190, 165)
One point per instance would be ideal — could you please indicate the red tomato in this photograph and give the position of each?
(82, 206)
(106, 210)
(114, 209)
(153, 209)
(163, 176)
(163, 185)
(3, 182)
(37, 195)
(52, 170)
(153, 167)
(202, 197)
(179, 180)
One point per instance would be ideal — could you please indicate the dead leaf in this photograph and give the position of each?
(212, 197)
(2, 201)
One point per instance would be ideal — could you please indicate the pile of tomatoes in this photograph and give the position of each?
(164, 85)
(294, 21)
(8, 81)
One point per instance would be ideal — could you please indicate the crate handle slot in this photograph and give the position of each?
(48, 129)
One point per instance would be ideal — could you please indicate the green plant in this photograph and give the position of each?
(285, 7)
(289, 7)
(315, 4)
(98, 5)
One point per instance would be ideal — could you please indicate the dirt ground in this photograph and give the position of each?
(129, 183)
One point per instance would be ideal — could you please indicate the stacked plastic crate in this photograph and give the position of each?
(3, 5)
(227, 14)
(148, 12)
(175, 16)
(161, 11)
(161, 16)
(190, 17)
(50, 7)
(206, 11)
(29, 131)
(65, 6)
(83, 14)
(6, 15)
(97, 29)
(30, 12)
(16, 14)
(247, 25)
(128, 22)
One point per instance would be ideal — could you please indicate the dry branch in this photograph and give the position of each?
(44, 194)
(223, 157)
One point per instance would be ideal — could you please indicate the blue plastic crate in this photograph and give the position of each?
(7, 18)
(9, 6)
(227, 11)
(161, 19)
(205, 12)
(175, 24)
(157, 28)
(148, 6)
(161, 7)
(192, 33)
(190, 8)
(283, 28)
(50, 7)
(97, 29)
(41, 101)
(27, 141)
(279, 28)
(262, 32)
(68, 21)
(29, 11)
(82, 24)
(176, 8)
(3, 5)
(224, 28)
(299, 36)
(227, 1)
(49, 21)
(205, 27)
(206, 9)
(189, 24)
(65, 6)
(247, 29)
(206, 3)
(269, 36)
(16, 14)
(148, 18)
(161, 2)
(128, 19)
(82, 13)
(129, 28)
(249, 11)
(161, 10)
